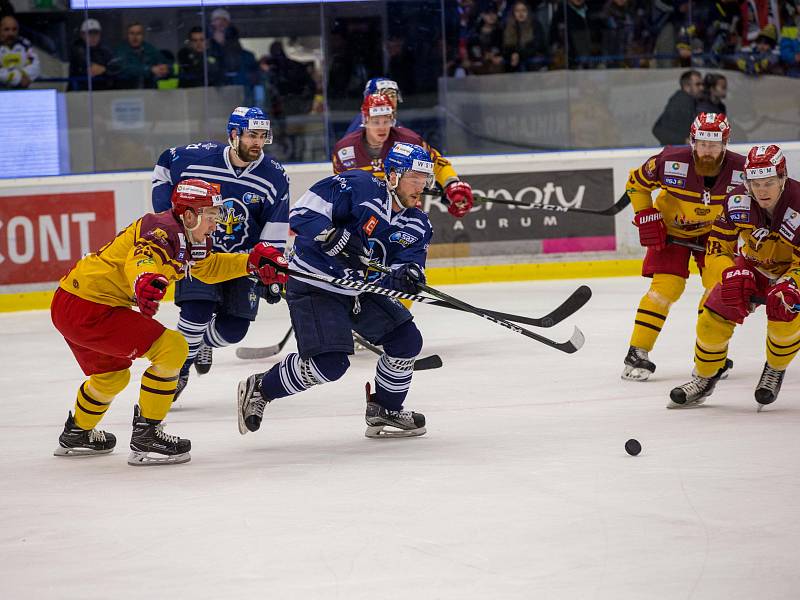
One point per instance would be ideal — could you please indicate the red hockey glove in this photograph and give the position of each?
(459, 196)
(149, 289)
(781, 299)
(262, 261)
(738, 284)
(652, 231)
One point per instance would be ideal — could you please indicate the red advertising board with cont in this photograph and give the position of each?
(41, 236)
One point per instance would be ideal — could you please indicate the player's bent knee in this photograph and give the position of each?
(331, 365)
(168, 352)
(666, 289)
(403, 342)
(109, 384)
(232, 329)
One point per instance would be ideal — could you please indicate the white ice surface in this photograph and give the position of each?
(520, 489)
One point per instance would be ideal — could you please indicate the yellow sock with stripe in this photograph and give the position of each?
(654, 308)
(711, 346)
(160, 381)
(95, 396)
(783, 342)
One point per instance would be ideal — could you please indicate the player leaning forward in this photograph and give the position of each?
(340, 222)
(692, 183)
(92, 310)
(753, 250)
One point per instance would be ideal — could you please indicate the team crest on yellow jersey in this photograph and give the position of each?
(160, 235)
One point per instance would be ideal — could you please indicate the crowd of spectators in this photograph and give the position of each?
(501, 36)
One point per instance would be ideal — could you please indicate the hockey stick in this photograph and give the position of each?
(612, 210)
(265, 351)
(574, 344)
(685, 244)
(433, 361)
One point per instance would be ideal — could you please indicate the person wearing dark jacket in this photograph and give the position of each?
(715, 88)
(671, 127)
(101, 68)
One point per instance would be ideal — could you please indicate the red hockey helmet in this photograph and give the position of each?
(376, 105)
(194, 194)
(765, 161)
(710, 127)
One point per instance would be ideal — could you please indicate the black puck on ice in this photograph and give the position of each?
(633, 447)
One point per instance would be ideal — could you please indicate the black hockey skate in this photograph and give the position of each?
(75, 441)
(693, 393)
(638, 366)
(403, 423)
(250, 404)
(768, 386)
(150, 445)
(203, 360)
(183, 380)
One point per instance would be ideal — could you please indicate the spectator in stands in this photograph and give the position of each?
(487, 34)
(490, 62)
(6, 8)
(689, 48)
(194, 61)
(523, 41)
(101, 69)
(19, 63)
(618, 31)
(666, 20)
(570, 30)
(722, 36)
(790, 39)
(224, 44)
(715, 88)
(292, 82)
(672, 127)
(761, 58)
(139, 63)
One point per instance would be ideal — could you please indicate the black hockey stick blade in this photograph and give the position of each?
(421, 364)
(612, 210)
(264, 351)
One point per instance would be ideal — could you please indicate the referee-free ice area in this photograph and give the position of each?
(521, 488)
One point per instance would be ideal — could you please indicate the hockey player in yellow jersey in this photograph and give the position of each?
(92, 309)
(691, 182)
(752, 251)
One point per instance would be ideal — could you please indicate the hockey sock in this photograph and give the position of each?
(711, 347)
(224, 330)
(783, 342)
(95, 396)
(194, 318)
(654, 308)
(159, 382)
(293, 374)
(392, 381)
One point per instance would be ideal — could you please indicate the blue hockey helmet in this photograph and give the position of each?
(409, 157)
(243, 118)
(383, 85)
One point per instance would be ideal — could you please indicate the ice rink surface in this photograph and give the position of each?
(520, 489)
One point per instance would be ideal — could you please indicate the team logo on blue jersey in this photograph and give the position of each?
(233, 227)
(403, 238)
(252, 198)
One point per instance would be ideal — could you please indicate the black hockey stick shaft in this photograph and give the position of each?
(612, 210)
(686, 244)
(433, 361)
(570, 346)
(264, 351)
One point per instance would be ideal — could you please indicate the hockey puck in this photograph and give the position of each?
(633, 447)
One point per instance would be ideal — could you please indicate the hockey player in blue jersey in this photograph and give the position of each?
(384, 87)
(255, 191)
(342, 223)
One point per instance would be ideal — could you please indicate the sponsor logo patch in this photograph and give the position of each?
(370, 225)
(346, 153)
(403, 238)
(737, 177)
(739, 202)
(252, 198)
(675, 181)
(701, 212)
(681, 169)
(738, 216)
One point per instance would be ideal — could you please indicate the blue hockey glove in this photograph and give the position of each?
(405, 278)
(345, 247)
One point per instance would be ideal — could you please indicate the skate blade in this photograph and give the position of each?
(79, 452)
(241, 393)
(635, 374)
(146, 459)
(379, 432)
(695, 404)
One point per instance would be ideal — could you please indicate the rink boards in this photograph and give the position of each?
(47, 223)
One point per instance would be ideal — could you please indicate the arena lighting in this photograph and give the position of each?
(93, 4)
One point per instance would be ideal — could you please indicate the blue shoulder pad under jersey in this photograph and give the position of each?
(166, 173)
